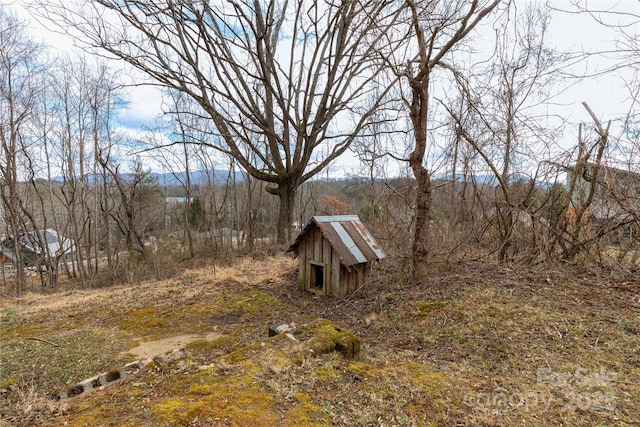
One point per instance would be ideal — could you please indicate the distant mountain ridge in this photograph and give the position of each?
(179, 179)
(490, 179)
(171, 179)
(220, 177)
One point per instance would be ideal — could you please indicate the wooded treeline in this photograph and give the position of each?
(447, 108)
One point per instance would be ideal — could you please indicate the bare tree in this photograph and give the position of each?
(278, 79)
(102, 91)
(434, 30)
(215, 191)
(134, 211)
(106, 159)
(73, 126)
(185, 125)
(583, 188)
(603, 179)
(45, 169)
(20, 72)
(502, 116)
(71, 136)
(375, 151)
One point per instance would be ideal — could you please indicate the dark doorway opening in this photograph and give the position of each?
(317, 276)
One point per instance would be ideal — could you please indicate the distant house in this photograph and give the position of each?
(334, 255)
(6, 259)
(35, 244)
(617, 191)
(226, 236)
(175, 201)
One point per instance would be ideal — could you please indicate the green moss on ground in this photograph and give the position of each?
(326, 337)
(456, 337)
(237, 399)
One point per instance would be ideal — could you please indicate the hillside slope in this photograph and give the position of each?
(486, 346)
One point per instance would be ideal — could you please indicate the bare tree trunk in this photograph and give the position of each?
(106, 224)
(286, 192)
(19, 87)
(83, 231)
(422, 219)
(187, 209)
(249, 219)
(418, 115)
(432, 45)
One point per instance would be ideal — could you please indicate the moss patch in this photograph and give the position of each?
(366, 371)
(424, 308)
(145, 321)
(237, 399)
(216, 346)
(326, 337)
(304, 412)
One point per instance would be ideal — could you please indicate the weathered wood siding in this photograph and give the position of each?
(327, 259)
(335, 273)
(351, 280)
(302, 266)
(338, 279)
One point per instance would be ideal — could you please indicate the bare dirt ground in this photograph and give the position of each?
(150, 349)
(482, 346)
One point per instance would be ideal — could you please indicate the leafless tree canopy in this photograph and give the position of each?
(433, 31)
(283, 82)
(20, 73)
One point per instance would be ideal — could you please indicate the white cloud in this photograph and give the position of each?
(143, 107)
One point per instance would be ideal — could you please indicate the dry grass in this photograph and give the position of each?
(484, 346)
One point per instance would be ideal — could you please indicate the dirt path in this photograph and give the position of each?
(150, 349)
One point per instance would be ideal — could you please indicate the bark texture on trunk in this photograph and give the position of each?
(418, 114)
(286, 192)
(420, 249)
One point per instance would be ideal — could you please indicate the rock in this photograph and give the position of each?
(291, 337)
(327, 337)
(278, 328)
(172, 356)
(10, 389)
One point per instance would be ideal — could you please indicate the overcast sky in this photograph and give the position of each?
(569, 32)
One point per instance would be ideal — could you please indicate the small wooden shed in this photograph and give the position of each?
(334, 255)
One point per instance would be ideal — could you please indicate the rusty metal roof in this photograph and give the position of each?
(347, 235)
